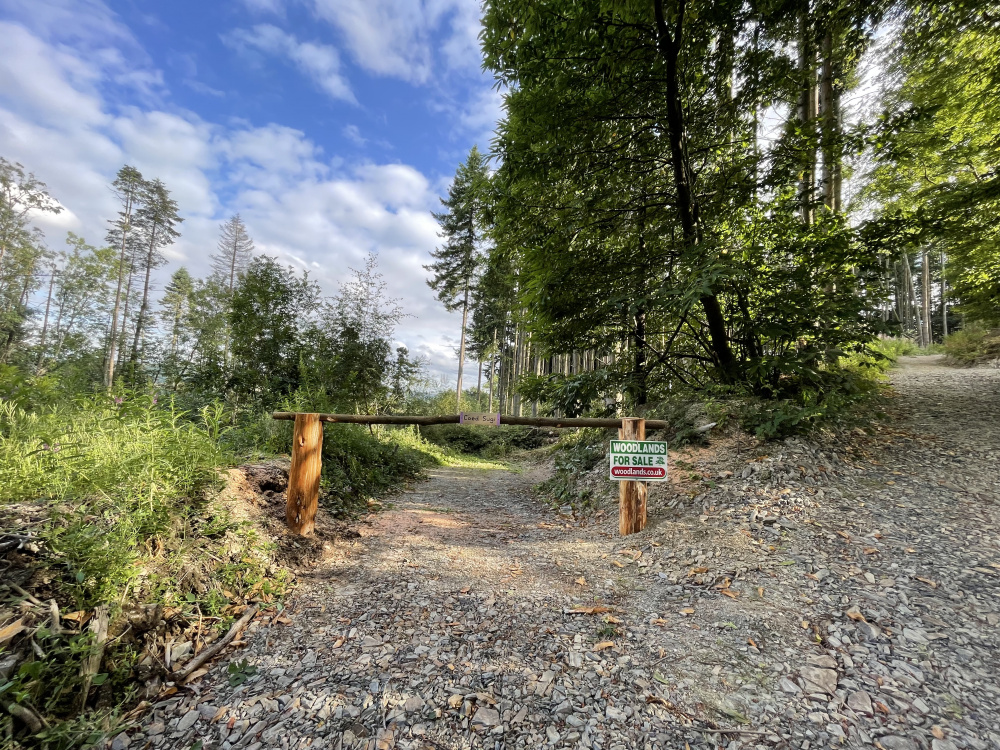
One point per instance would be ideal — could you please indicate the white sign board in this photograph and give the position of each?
(638, 460)
(485, 419)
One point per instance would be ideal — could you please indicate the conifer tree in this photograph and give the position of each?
(232, 259)
(127, 187)
(457, 261)
(235, 251)
(156, 221)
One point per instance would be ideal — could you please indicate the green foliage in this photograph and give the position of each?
(268, 315)
(27, 392)
(51, 684)
(123, 470)
(678, 258)
(456, 262)
(894, 348)
(488, 442)
(569, 395)
(576, 453)
(126, 485)
(973, 344)
(239, 672)
(845, 393)
(935, 180)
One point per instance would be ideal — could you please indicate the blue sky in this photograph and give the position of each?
(332, 126)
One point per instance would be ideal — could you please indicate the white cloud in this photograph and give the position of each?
(398, 37)
(306, 207)
(320, 62)
(87, 24)
(48, 84)
(265, 7)
(353, 134)
(480, 114)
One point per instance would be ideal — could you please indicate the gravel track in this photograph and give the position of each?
(838, 592)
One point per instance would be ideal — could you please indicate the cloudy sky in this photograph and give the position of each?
(332, 126)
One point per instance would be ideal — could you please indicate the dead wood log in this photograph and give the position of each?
(216, 647)
(92, 664)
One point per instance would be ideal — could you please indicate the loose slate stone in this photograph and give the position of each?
(487, 717)
(817, 679)
(861, 702)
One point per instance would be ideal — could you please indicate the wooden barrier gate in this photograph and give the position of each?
(307, 459)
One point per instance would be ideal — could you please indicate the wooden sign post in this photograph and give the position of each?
(632, 494)
(303, 479)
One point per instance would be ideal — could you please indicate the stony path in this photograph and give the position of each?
(794, 595)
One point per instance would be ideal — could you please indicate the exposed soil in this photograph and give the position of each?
(256, 492)
(836, 592)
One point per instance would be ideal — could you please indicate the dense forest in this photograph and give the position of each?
(748, 203)
(736, 196)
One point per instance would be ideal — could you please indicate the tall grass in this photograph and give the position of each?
(122, 487)
(117, 472)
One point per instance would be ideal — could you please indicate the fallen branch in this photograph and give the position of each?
(54, 613)
(26, 715)
(216, 647)
(92, 664)
(18, 590)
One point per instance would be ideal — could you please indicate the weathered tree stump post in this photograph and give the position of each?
(632, 494)
(303, 479)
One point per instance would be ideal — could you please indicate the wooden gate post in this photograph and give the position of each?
(303, 479)
(632, 494)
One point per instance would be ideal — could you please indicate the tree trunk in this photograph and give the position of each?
(479, 387)
(912, 300)
(687, 208)
(829, 110)
(145, 299)
(45, 322)
(110, 377)
(926, 297)
(944, 302)
(806, 115)
(128, 299)
(493, 359)
(461, 348)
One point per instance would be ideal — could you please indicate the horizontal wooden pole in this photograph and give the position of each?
(652, 424)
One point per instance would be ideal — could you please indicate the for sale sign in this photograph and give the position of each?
(638, 460)
(484, 419)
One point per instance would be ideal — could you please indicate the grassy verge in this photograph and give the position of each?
(114, 503)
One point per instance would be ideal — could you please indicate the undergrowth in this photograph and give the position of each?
(973, 344)
(847, 394)
(575, 454)
(487, 442)
(116, 496)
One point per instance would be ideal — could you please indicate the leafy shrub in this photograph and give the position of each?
(894, 348)
(855, 383)
(569, 395)
(488, 442)
(125, 486)
(122, 471)
(576, 454)
(359, 463)
(27, 391)
(973, 344)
